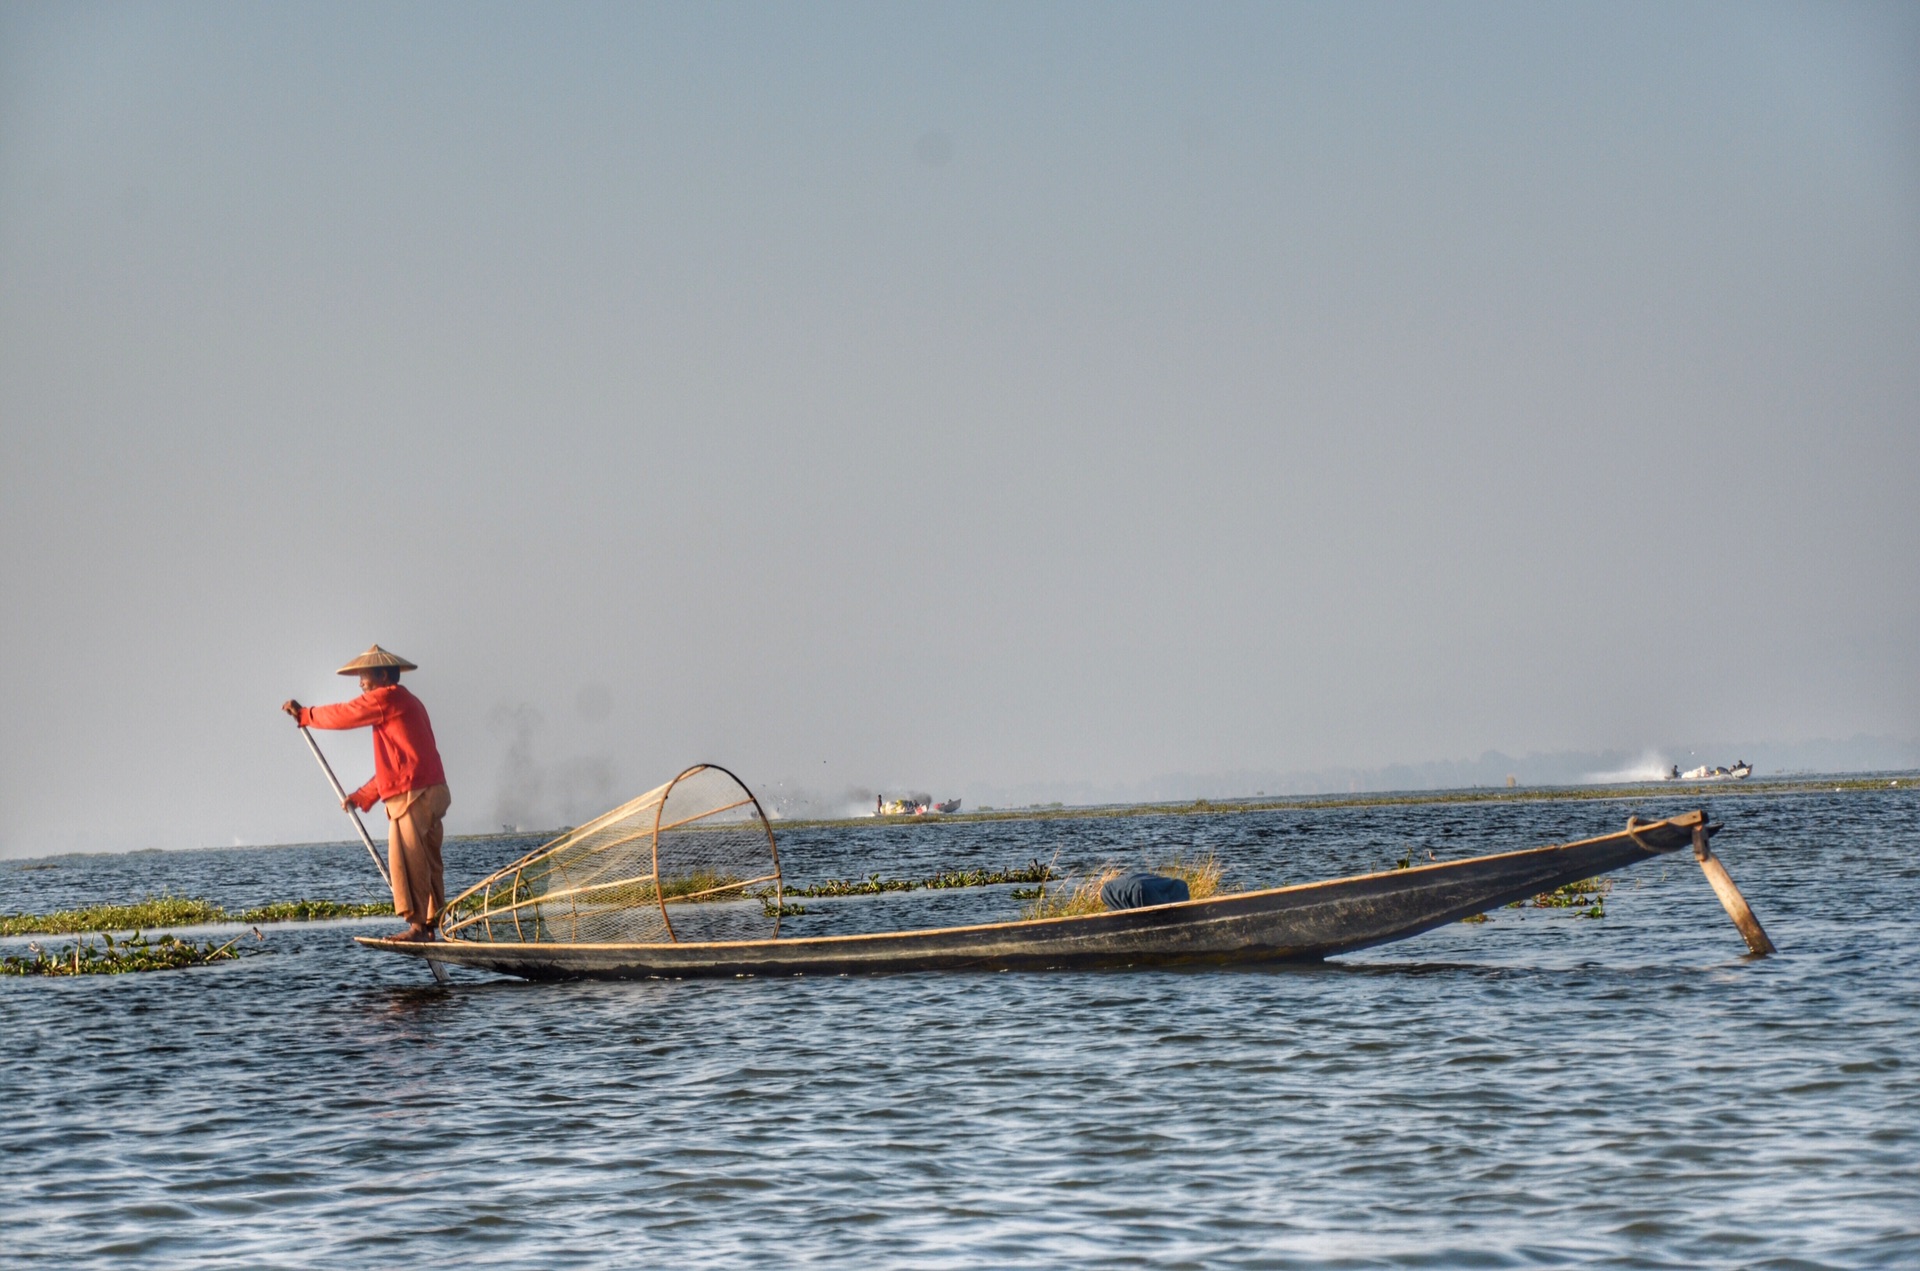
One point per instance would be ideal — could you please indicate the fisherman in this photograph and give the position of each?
(407, 775)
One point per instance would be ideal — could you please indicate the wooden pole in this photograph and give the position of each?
(1730, 897)
(339, 790)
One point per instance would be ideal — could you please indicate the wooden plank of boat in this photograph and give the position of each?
(1305, 922)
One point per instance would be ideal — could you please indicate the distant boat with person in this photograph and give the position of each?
(912, 805)
(1740, 771)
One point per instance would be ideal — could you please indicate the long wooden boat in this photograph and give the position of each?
(1306, 922)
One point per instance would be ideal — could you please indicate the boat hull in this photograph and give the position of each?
(1303, 923)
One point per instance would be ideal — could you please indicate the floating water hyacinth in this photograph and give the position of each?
(874, 884)
(111, 957)
(179, 911)
(1589, 896)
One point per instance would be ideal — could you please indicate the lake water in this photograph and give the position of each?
(1540, 1089)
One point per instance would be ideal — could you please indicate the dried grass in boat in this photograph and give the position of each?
(1201, 875)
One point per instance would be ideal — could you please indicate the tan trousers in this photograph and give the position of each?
(414, 831)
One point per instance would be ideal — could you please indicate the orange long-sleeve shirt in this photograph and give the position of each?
(404, 754)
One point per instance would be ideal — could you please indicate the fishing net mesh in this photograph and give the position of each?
(693, 860)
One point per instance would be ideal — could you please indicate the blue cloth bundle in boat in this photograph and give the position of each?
(1139, 888)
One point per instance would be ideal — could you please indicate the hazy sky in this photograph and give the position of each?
(942, 397)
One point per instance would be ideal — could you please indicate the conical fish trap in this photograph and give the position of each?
(692, 860)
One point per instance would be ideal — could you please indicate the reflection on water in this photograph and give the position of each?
(1537, 1089)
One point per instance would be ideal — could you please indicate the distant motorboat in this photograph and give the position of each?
(912, 805)
(1740, 771)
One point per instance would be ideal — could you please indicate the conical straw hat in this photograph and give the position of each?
(376, 656)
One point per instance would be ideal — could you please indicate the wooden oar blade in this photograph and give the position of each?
(1730, 898)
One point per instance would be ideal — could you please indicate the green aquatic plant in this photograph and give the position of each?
(1587, 898)
(871, 885)
(1588, 891)
(110, 957)
(148, 912)
(178, 911)
(313, 910)
(1032, 872)
(874, 885)
(700, 885)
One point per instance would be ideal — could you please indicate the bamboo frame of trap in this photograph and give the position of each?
(656, 799)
